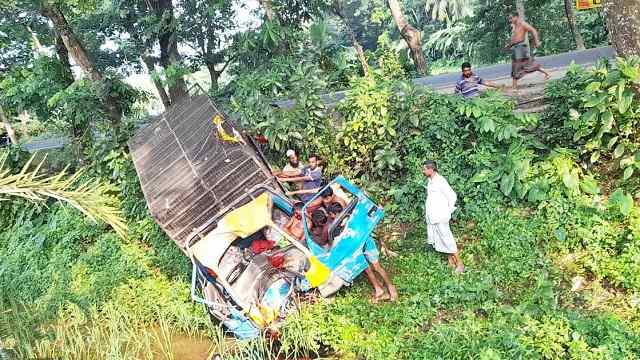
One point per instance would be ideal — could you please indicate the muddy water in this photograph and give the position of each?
(190, 348)
(179, 346)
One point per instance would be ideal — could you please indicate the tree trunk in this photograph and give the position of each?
(520, 9)
(214, 74)
(359, 51)
(623, 22)
(8, 128)
(410, 35)
(268, 9)
(63, 56)
(522, 15)
(571, 19)
(82, 59)
(150, 63)
(338, 10)
(169, 55)
(71, 42)
(38, 49)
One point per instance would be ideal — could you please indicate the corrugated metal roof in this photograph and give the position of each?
(189, 175)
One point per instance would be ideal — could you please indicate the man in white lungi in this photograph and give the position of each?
(440, 204)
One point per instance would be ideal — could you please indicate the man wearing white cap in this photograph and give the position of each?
(292, 169)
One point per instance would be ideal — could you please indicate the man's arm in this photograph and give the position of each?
(451, 195)
(315, 203)
(490, 84)
(299, 192)
(287, 226)
(458, 88)
(294, 179)
(291, 173)
(534, 32)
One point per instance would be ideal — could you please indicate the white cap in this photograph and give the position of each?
(290, 153)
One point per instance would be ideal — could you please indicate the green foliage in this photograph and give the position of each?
(301, 127)
(451, 41)
(369, 129)
(608, 118)
(28, 89)
(75, 108)
(506, 307)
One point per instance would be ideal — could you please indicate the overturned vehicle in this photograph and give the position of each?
(210, 189)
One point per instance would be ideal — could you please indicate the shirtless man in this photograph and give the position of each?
(294, 226)
(326, 199)
(521, 60)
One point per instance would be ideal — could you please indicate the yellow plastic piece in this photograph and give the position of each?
(255, 315)
(249, 218)
(318, 272)
(217, 120)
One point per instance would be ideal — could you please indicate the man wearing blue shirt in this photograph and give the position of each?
(311, 176)
(469, 83)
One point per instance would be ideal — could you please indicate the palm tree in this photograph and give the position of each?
(448, 10)
(92, 198)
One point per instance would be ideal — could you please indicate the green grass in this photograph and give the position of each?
(69, 288)
(512, 303)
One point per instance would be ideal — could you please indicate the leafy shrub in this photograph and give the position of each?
(369, 128)
(608, 118)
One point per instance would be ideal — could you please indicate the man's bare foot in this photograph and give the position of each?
(376, 298)
(460, 269)
(387, 252)
(393, 293)
(547, 77)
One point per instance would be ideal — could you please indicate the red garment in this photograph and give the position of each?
(259, 246)
(277, 260)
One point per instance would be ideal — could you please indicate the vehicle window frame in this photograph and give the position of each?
(345, 213)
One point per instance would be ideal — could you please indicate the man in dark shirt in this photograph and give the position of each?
(469, 83)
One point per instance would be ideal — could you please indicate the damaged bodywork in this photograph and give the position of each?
(208, 186)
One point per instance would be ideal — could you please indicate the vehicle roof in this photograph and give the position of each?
(189, 175)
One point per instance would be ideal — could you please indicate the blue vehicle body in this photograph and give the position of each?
(345, 257)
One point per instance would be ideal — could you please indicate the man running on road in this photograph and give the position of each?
(521, 60)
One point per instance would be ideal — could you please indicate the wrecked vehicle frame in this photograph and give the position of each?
(208, 186)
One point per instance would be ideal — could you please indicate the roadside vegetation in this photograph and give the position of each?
(548, 218)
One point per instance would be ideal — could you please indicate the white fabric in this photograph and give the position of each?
(440, 202)
(441, 237)
(210, 249)
(290, 152)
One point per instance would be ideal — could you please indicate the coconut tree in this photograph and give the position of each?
(91, 197)
(448, 10)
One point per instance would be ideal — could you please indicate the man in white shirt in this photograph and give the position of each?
(439, 205)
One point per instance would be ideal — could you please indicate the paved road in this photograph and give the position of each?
(501, 71)
(557, 65)
(45, 144)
